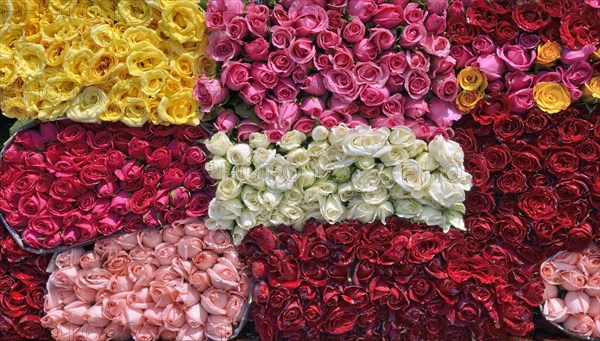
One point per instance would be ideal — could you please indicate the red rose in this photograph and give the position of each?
(172, 178)
(505, 32)
(466, 139)
(100, 140)
(71, 134)
(530, 17)
(467, 312)
(138, 148)
(424, 246)
(459, 31)
(545, 230)
(527, 158)
(539, 203)
(508, 128)
(14, 304)
(35, 297)
(198, 206)
(588, 150)
(532, 292)
(12, 251)
(517, 318)
(491, 109)
(265, 327)
(572, 189)
(30, 327)
(291, 317)
(497, 157)
(25, 181)
(420, 290)
(313, 313)
(286, 274)
(340, 321)
(572, 212)
(481, 14)
(141, 200)
(191, 134)
(479, 201)
(562, 161)
(314, 273)
(476, 166)
(480, 227)
(512, 181)
(91, 175)
(511, 230)
(342, 234)
(574, 130)
(556, 8)
(162, 130)
(194, 156)
(160, 157)
(263, 237)
(579, 28)
(31, 206)
(536, 120)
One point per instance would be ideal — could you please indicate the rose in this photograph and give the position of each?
(436, 45)
(307, 20)
(551, 97)
(412, 35)
(221, 47)
(424, 246)
(417, 84)
(578, 238)
(513, 181)
(339, 321)
(554, 309)
(209, 92)
(581, 325)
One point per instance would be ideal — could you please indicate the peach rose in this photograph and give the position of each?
(235, 307)
(74, 312)
(90, 260)
(139, 299)
(87, 295)
(594, 310)
(592, 286)
(69, 258)
(577, 302)
(172, 233)
(140, 273)
(153, 316)
(565, 260)
(234, 257)
(550, 291)
(149, 238)
(219, 327)
(214, 301)
(573, 280)
(165, 274)
(549, 273)
(199, 280)
(581, 325)
(64, 278)
(116, 332)
(93, 278)
(168, 335)
(94, 317)
(65, 332)
(127, 241)
(88, 332)
(173, 317)
(589, 263)
(224, 275)
(57, 297)
(191, 333)
(106, 248)
(555, 310)
(205, 260)
(114, 306)
(53, 318)
(146, 333)
(164, 253)
(119, 284)
(183, 268)
(244, 286)
(161, 294)
(117, 264)
(189, 246)
(217, 240)
(132, 317)
(195, 228)
(186, 295)
(195, 316)
(142, 254)
(596, 331)
(103, 293)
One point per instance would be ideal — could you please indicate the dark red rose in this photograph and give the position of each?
(466, 139)
(574, 130)
(459, 31)
(562, 161)
(572, 189)
(340, 321)
(30, 327)
(539, 203)
(138, 148)
(579, 238)
(579, 28)
(511, 230)
(539, 179)
(527, 158)
(588, 150)
(420, 290)
(194, 156)
(434, 325)
(556, 8)
(286, 274)
(424, 246)
(532, 292)
(476, 165)
(314, 273)
(291, 317)
(191, 134)
(481, 14)
(467, 312)
(198, 206)
(341, 234)
(313, 313)
(545, 230)
(505, 31)
(517, 318)
(497, 157)
(480, 227)
(491, 109)
(355, 296)
(479, 201)
(536, 120)
(266, 327)
(530, 17)
(14, 304)
(12, 251)
(508, 128)
(512, 181)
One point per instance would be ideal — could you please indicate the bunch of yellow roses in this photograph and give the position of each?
(102, 60)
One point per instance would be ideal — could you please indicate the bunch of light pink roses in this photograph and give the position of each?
(307, 62)
(572, 295)
(184, 282)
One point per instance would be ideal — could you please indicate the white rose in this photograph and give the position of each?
(259, 140)
(459, 207)
(88, 105)
(294, 196)
(444, 192)
(427, 162)
(262, 156)
(366, 181)
(361, 211)
(394, 155)
(225, 210)
(337, 134)
(364, 162)
(431, 216)
(247, 220)
(416, 148)
(306, 178)
(228, 189)
(242, 173)
(269, 199)
(292, 212)
(240, 154)
(249, 197)
(334, 158)
(332, 208)
(346, 191)
(407, 208)
(364, 141)
(341, 174)
(291, 140)
(218, 168)
(375, 197)
(402, 136)
(386, 177)
(446, 152)
(298, 157)
(320, 133)
(316, 149)
(280, 174)
(325, 187)
(214, 224)
(311, 210)
(238, 235)
(458, 176)
(454, 219)
(312, 194)
(256, 179)
(384, 211)
(397, 192)
(218, 144)
(277, 218)
(410, 177)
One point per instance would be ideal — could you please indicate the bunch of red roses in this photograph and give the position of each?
(397, 281)
(22, 281)
(536, 180)
(62, 183)
(356, 62)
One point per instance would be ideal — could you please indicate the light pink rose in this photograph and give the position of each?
(146, 333)
(235, 75)
(582, 325)
(370, 73)
(307, 18)
(516, 57)
(313, 85)
(382, 38)
(172, 234)
(93, 278)
(102, 294)
(491, 65)
(140, 273)
(195, 316)
(65, 332)
(550, 291)
(127, 241)
(436, 45)
(113, 306)
(117, 264)
(64, 278)
(417, 84)
(573, 280)
(53, 318)
(217, 240)
(153, 316)
(436, 23)
(214, 301)
(224, 275)
(577, 302)
(69, 258)
(396, 63)
(145, 254)
(244, 286)
(168, 334)
(362, 9)
(186, 295)
(521, 100)
(594, 310)
(94, 317)
(139, 299)
(554, 310)
(354, 31)
(199, 280)
(115, 331)
(446, 87)
(219, 327)
(88, 332)
(236, 307)
(166, 274)
(592, 286)
(205, 260)
(483, 44)
(388, 15)
(568, 56)
(164, 253)
(282, 36)
(565, 260)
(365, 50)
(188, 247)
(222, 48)
(443, 113)
(161, 294)
(463, 55)
(209, 93)
(173, 317)
(412, 35)
(74, 312)
(85, 294)
(374, 97)
(234, 257)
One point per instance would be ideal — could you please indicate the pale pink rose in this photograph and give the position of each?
(132, 317)
(69, 258)
(565, 260)
(173, 317)
(234, 257)
(186, 295)
(153, 316)
(169, 335)
(214, 301)
(118, 263)
(282, 36)
(140, 273)
(581, 325)
(491, 65)
(195, 316)
(127, 241)
(593, 3)
(388, 15)
(161, 294)
(362, 9)
(93, 278)
(417, 84)
(596, 332)
(257, 50)
(589, 263)
(165, 252)
(577, 302)
(445, 87)
(550, 291)
(382, 39)
(374, 97)
(550, 274)
(113, 306)
(74, 312)
(139, 299)
(199, 280)
(146, 333)
(396, 63)
(166, 274)
(52, 301)
(53, 318)
(88, 332)
(183, 268)
(188, 247)
(443, 113)
(436, 45)
(313, 85)
(236, 307)
(194, 227)
(65, 332)
(85, 294)
(412, 35)
(95, 318)
(594, 310)
(217, 240)
(106, 248)
(219, 327)
(191, 333)
(592, 286)
(64, 278)
(116, 332)
(554, 310)
(573, 280)
(516, 57)
(102, 294)
(90, 260)
(224, 275)
(370, 73)
(568, 56)
(521, 100)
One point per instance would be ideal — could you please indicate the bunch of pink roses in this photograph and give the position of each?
(308, 62)
(572, 295)
(184, 282)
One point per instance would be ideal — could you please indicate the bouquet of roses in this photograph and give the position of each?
(397, 280)
(63, 183)
(92, 61)
(362, 173)
(299, 63)
(182, 283)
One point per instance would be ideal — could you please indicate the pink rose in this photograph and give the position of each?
(94, 317)
(117, 332)
(304, 125)
(253, 93)
(446, 87)
(199, 280)
(65, 332)
(209, 93)
(274, 134)
(285, 90)
(186, 295)
(565, 260)
(528, 41)
(281, 63)
(342, 83)
(245, 128)
(222, 48)
(573, 280)
(412, 35)
(462, 55)
(365, 50)
(140, 299)
(236, 306)
(228, 8)
(443, 113)
(127, 241)
(226, 121)
(388, 15)
(516, 57)
(173, 317)
(149, 237)
(257, 22)
(312, 106)
(394, 105)
(328, 40)
(592, 286)
(549, 76)
(194, 227)
(374, 97)
(214, 301)
(118, 263)
(307, 18)
(282, 36)
(205, 260)
(415, 108)
(362, 9)
(301, 50)
(188, 247)
(343, 58)
(518, 80)
(568, 56)
(75, 311)
(577, 74)
(417, 84)
(289, 112)
(53, 318)
(521, 100)
(436, 45)
(495, 87)
(491, 65)
(224, 275)
(382, 38)
(594, 310)
(161, 294)
(554, 310)
(582, 325)
(483, 44)
(146, 333)
(237, 28)
(64, 278)
(300, 72)
(69, 258)
(235, 75)
(354, 31)
(437, 6)
(219, 327)
(314, 85)
(413, 14)
(264, 75)
(396, 63)
(550, 291)
(94, 278)
(577, 302)
(195, 316)
(172, 234)
(421, 128)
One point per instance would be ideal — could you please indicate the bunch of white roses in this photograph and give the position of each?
(361, 173)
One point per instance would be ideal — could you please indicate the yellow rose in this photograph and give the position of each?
(32, 32)
(130, 87)
(15, 88)
(9, 40)
(101, 66)
(182, 22)
(31, 58)
(119, 47)
(183, 66)
(112, 113)
(108, 7)
(76, 63)
(134, 13)
(179, 109)
(63, 7)
(466, 101)
(134, 35)
(60, 88)
(596, 55)
(153, 81)
(34, 88)
(6, 14)
(103, 34)
(19, 13)
(14, 107)
(471, 78)
(170, 48)
(551, 97)
(81, 10)
(63, 30)
(48, 111)
(135, 112)
(144, 57)
(548, 53)
(187, 82)
(121, 27)
(55, 53)
(172, 87)
(8, 71)
(153, 111)
(204, 65)
(88, 105)
(591, 89)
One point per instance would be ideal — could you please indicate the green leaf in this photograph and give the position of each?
(18, 125)
(243, 110)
